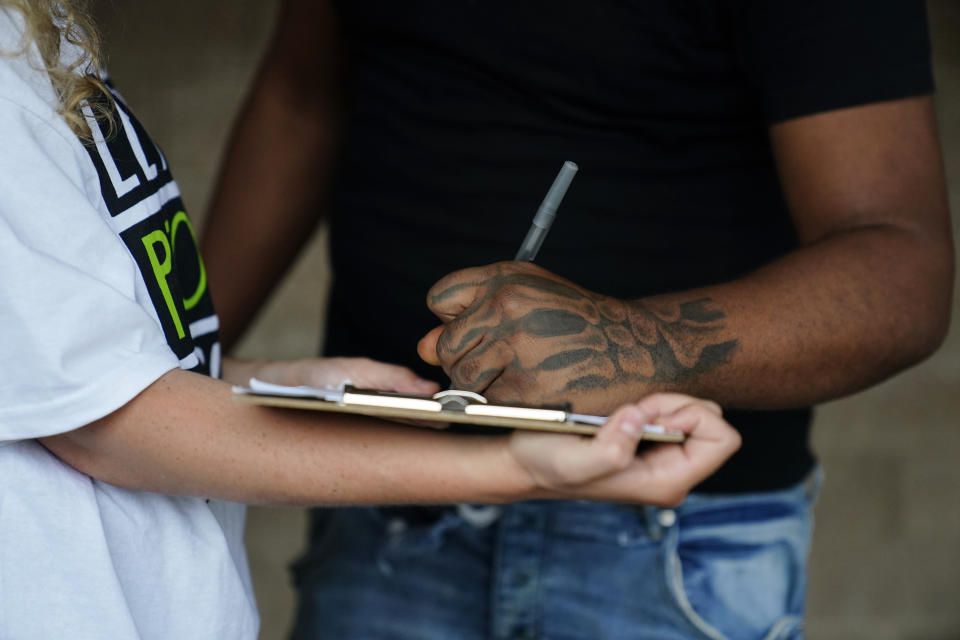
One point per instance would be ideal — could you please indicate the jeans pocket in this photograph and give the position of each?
(737, 568)
(403, 540)
(357, 536)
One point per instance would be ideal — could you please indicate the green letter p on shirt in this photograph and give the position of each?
(161, 269)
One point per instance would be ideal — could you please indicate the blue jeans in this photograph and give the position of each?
(715, 567)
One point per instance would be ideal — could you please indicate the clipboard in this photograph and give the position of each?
(450, 405)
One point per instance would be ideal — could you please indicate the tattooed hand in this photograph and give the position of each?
(519, 333)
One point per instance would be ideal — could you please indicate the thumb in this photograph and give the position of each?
(612, 449)
(427, 347)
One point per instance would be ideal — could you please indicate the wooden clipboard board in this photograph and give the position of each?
(454, 406)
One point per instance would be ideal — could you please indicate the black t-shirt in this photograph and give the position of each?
(459, 114)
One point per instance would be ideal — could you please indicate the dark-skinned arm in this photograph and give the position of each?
(267, 200)
(867, 293)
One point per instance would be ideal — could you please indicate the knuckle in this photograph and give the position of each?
(467, 371)
(615, 455)
(445, 345)
(564, 471)
(714, 407)
(511, 301)
(456, 381)
(736, 440)
(678, 499)
(674, 498)
(506, 266)
(433, 295)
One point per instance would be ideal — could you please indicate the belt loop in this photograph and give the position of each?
(813, 483)
(658, 521)
(479, 516)
(651, 516)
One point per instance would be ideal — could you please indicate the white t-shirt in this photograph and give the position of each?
(101, 292)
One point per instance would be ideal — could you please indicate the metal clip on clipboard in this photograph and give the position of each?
(451, 405)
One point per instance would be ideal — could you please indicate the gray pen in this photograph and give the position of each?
(546, 213)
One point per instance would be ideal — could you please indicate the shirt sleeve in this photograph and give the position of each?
(76, 344)
(809, 56)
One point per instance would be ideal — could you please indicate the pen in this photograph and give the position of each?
(546, 213)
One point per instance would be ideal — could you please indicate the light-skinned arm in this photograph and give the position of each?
(184, 435)
(866, 294)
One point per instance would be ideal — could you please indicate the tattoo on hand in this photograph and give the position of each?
(599, 341)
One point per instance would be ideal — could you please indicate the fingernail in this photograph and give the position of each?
(632, 423)
(680, 422)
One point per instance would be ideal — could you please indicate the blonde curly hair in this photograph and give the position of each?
(77, 83)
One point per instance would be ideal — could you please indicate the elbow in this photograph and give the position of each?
(928, 321)
(929, 335)
(73, 449)
(941, 302)
(70, 448)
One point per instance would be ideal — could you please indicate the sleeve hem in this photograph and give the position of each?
(92, 402)
(802, 100)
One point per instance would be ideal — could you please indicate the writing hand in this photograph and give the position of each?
(519, 333)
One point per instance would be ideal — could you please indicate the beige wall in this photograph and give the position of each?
(886, 558)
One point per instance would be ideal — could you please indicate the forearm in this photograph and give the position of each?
(828, 319)
(185, 436)
(867, 294)
(269, 193)
(264, 209)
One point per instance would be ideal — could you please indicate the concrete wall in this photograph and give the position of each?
(886, 557)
